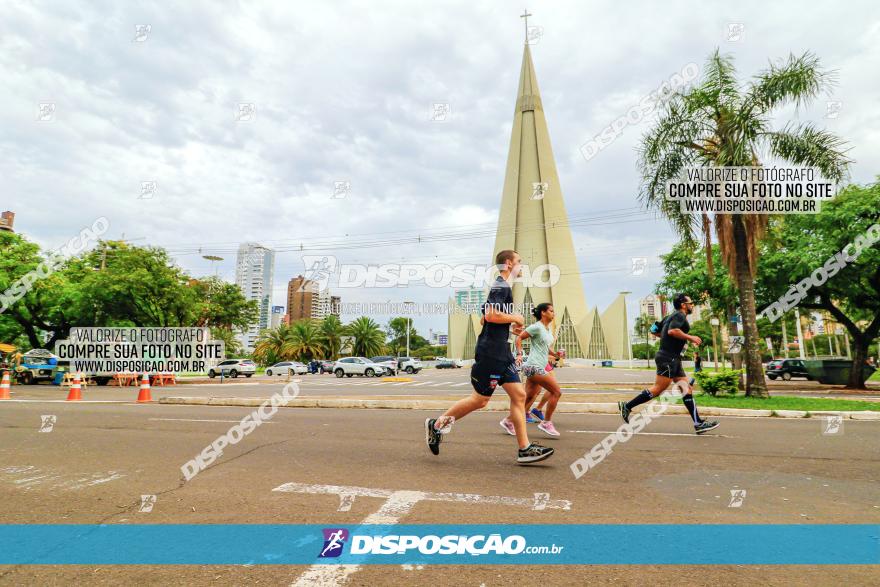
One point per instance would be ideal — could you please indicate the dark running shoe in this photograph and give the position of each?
(624, 411)
(705, 426)
(432, 436)
(538, 414)
(533, 453)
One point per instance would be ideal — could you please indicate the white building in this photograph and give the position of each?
(321, 304)
(653, 306)
(437, 338)
(254, 271)
(277, 316)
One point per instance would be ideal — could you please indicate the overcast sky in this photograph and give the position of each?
(344, 91)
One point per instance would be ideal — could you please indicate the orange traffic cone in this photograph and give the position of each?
(144, 394)
(75, 390)
(4, 386)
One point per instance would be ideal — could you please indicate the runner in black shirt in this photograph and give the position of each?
(493, 366)
(673, 338)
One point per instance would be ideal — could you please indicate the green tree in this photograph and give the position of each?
(304, 342)
(271, 344)
(642, 328)
(51, 302)
(369, 339)
(231, 345)
(331, 336)
(222, 304)
(397, 336)
(721, 123)
(802, 244)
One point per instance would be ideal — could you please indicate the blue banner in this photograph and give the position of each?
(599, 544)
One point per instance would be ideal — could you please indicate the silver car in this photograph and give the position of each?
(285, 367)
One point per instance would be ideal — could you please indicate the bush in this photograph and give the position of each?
(724, 381)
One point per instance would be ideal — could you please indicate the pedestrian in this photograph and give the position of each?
(494, 365)
(536, 372)
(673, 339)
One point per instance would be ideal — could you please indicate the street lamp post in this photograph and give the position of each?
(714, 322)
(800, 333)
(408, 305)
(213, 259)
(629, 348)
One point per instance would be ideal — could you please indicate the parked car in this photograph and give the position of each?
(786, 369)
(326, 367)
(409, 364)
(233, 368)
(387, 361)
(285, 367)
(357, 366)
(444, 363)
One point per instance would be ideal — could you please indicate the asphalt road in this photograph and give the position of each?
(427, 383)
(99, 459)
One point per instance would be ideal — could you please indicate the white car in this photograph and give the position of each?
(233, 368)
(357, 366)
(285, 367)
(409, 364)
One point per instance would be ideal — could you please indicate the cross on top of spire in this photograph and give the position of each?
(525, 15)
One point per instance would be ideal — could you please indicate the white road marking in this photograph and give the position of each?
(397, 504)
(691, 435)
(32, 476)
(194, 420)
(63, 401)
(422, 383)
(460, 384)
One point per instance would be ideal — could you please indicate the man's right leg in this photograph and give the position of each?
(661, 382)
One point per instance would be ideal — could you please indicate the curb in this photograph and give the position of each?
(499, 406)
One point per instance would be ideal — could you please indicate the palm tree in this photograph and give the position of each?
(331, 330)
(722, 123)
(231, 345)
(369, 340)
(269, 348)
(304, 341)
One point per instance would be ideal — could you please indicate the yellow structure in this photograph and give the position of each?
(534, 222)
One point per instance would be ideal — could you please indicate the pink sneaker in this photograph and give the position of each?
(508, 426)
(548, 427)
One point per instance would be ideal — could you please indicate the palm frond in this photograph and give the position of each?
(805, 144)
(797, 79)
(719, 79)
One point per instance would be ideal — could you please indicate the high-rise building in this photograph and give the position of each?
(534, 222)
(277, 316)
(305, 299)
(470, 299)
(254, 271)
(654, 306)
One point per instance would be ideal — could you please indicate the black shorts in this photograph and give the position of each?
(669, 366)
(487, 374)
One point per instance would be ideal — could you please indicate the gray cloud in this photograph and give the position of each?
(343, 91)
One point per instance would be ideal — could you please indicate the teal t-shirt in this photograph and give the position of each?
(540, 340)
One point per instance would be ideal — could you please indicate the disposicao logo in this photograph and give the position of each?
(334, 539)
